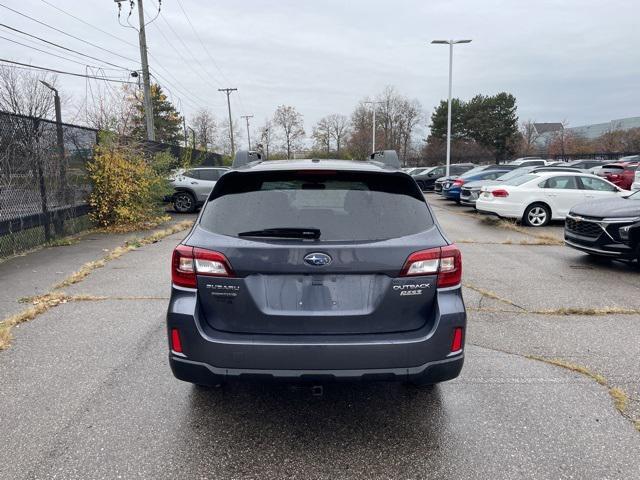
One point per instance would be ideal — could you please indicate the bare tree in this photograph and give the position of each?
(291, 124)
(409, 116)
(225, 138)
(530, 137)
(322, 135)
(205, 126)
(266, 138)
(338, 129)
(22, 92)
(359, 139)
(112, 110)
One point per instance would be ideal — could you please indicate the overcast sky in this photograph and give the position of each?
(573, 60)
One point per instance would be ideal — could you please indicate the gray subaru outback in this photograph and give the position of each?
(316, 270)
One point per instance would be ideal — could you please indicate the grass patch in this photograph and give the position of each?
(620, 399)
(541, 238)
(571, 366)
(492, 295)
(565, 311)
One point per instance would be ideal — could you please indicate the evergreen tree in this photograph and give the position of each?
(166, 119)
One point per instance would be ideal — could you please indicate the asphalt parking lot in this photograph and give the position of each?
(545, 392)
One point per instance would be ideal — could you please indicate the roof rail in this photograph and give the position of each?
(388, 158)
(245, 157)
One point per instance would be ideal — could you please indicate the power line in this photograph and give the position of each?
(62, 72)
(65, 48)
(182, 90)
(186, 49)
(215, 64)
(49, 48)
(89, 24)
(43, 51)
(206, 51)
(68, 34)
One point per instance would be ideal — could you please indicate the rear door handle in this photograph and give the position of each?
(194, 183)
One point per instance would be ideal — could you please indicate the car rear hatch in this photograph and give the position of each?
(348, 280)
(613, 173)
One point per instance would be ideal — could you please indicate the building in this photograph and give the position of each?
(546, 131)
(597, 129)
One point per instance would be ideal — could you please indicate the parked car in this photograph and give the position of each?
(437, 187)
(629, 158)
(426, 180)
(471, 190)
(192, 187)
(607, 228)
(420, 170)
(528, 162)
(335, 270)
(636, 180)
(451, 188)
(620, 174)
(537, 198)
(586, 164)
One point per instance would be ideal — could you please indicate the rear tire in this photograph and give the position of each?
(536, 215)
(184, 202)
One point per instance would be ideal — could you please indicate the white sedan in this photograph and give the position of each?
(538, 198)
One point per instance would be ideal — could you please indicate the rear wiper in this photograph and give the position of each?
(306, 233)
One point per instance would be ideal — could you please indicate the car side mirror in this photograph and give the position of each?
(429, 174)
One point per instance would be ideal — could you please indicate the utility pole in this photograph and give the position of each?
(228, 92)
(247, 117)
(146, 79)
(373, 141)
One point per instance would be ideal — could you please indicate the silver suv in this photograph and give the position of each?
(192, 187)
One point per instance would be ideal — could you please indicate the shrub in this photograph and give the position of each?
(127, 189)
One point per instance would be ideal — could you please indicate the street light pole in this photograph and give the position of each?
(373, 136)
(193, 137)
(451, 43)
(63, 191)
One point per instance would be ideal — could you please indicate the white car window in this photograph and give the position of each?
(589, 183)
(563, 183)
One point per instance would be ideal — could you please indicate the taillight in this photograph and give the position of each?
(459, 182)
(500, 193)
(188, 262)
(176, 344)
(183, 271)
(446, 262)
(456, 344)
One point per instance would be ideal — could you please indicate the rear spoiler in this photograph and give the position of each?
(388, 158)
(245, 157)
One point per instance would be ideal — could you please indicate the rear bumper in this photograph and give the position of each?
(209, 355)
(204, 374)
(499, 209)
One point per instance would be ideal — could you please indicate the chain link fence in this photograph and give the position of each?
(43, 193)
(44, 186)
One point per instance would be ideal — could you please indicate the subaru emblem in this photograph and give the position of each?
(317, 259)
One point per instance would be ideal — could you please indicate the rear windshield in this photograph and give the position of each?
(344, 206)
